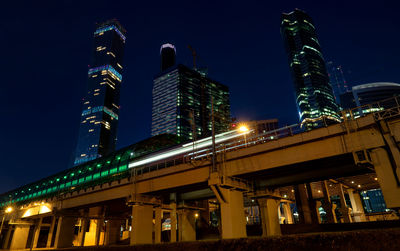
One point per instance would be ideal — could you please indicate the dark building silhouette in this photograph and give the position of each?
(99, 121)
(337, 80)
(168, 54)
(182, 104)
(314, 95)
(347, 100)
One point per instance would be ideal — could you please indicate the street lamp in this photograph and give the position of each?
(7, 211)
(244, 130)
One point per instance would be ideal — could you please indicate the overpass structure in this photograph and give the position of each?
(144, 197)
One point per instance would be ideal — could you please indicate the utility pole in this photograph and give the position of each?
(214, 164)
(193, 122)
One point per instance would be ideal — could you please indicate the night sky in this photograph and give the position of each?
(46, 47)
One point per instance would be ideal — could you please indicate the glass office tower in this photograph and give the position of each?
(98, 128)
(182, 104)
(314, 96)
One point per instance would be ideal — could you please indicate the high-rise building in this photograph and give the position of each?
(314, 96)
(370, 97)
(182, 104)
(337, 80)
(99, 119)
(168, 54)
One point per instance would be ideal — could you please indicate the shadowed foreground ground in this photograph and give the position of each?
(378, 239)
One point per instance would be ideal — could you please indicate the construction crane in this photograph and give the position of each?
(194, 55)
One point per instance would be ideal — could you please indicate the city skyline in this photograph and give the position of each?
(244, 107)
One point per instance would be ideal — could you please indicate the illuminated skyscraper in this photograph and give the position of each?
(99, 121)
(314, 95)
(182, 104)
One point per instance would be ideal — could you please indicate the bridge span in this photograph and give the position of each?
(181, 194)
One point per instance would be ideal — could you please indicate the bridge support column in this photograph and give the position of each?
(269, 216)
(186, 225)
(51, 232)
(318, 204)
(142, 224)
(327, 204)
(157, 225)
(173, 222)
(388, 175)
(37, 233)
(233, 221)
(313, 205)
(7, 237)
(65, 232)
(113, 230)
(287, 212)
(344, 209)
(20, 237)
(358, 209)
(302, 204)
(82, 232)
(99, 226)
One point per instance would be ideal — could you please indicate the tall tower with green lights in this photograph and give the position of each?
(314, 96)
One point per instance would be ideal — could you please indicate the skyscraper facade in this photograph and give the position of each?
(337, 80)
(99, 118)
(182, 104)
(314, 96)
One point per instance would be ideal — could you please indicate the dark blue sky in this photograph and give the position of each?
(46, 45)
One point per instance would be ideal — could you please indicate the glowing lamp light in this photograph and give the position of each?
(196, 215)
(243, 128)
(9, 209)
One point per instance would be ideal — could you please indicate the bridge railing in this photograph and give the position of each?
(382, 109)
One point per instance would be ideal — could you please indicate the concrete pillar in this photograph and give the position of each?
(82, 232)
(92, 237)
(157, 225)
(358, 209)
(65, 232)
(387, 174)
(318, 204)
(113, 231)
(269, 216)
(280, 217)
(233, 221)
(99, 226)
(302, 204)
(142, 224)
(7, 237)
(344, 210)
(327, 204)
(37, 233)
(313, 205)
(287, 213)
(186, 225)
(173, 222)
(20, 237)
(51, 231)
